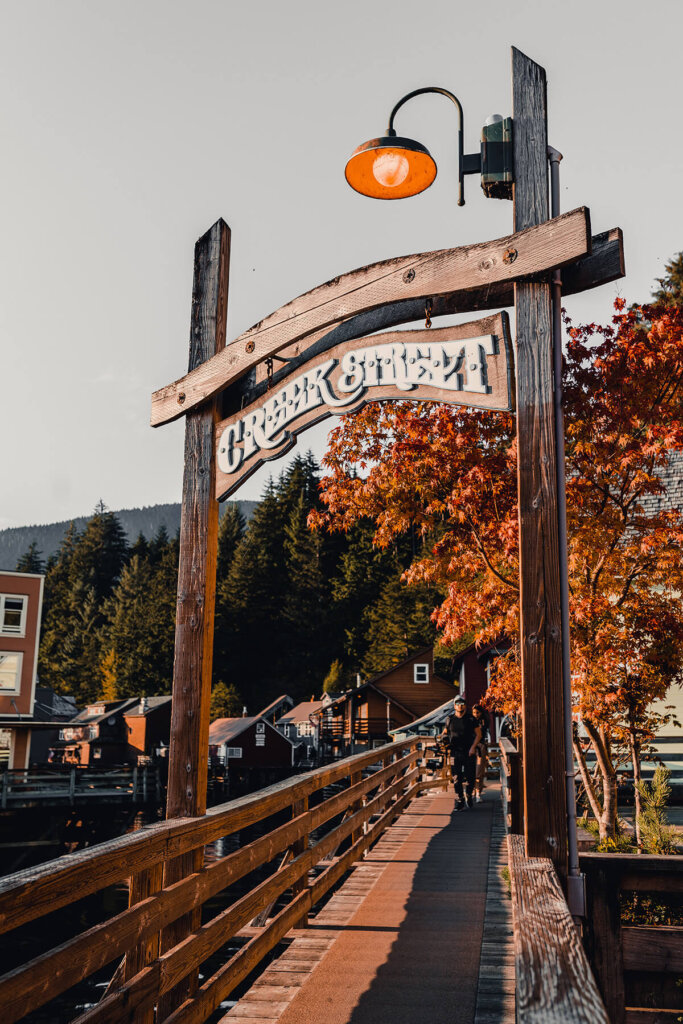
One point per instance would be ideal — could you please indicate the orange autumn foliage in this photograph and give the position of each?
(450, 474)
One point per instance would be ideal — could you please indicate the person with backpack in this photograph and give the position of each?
(463, 734)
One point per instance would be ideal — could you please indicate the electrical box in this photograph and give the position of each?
(497, 171)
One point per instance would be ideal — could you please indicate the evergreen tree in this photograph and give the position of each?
(230, 533)
(101, 553)
(363, 570)
(305, 608)
(78, 582)
(137, 637)
(334, 680)
(140, 547)
(225, 701)
(671, 285)
(398, 624)
(31, 560)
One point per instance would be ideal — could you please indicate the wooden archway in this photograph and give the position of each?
(314, 328)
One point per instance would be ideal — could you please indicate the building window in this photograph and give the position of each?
(10, 671)
(421, 673)
(233, 752)
(13, 614)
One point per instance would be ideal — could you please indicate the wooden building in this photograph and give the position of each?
(301, 725)
(364, 716)
(118, 732)
(21, 601)
(249, 742)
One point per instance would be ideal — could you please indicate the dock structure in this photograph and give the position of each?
(352, 893)
(421, 930)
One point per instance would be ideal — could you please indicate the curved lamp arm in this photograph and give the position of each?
(454, 99)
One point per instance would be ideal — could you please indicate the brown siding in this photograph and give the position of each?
(419, 698)
(31, 587)
(277, 751)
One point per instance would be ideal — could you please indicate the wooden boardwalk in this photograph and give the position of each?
(420, 930)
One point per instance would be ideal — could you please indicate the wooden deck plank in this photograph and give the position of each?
(396, 852)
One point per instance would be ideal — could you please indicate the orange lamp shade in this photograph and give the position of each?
(390, 168)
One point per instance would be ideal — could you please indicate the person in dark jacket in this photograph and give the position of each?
(463, 735)
(481, 718)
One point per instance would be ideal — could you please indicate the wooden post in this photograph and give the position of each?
(545, 822)
(299, 847)
(189, 750)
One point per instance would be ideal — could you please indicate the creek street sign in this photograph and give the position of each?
(468, 364)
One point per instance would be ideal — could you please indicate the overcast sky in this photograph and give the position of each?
(130, 127)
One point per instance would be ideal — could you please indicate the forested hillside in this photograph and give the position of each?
(47, 537)
(294, 607)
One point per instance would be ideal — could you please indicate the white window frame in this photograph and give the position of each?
(4, 630)
(233, 752)
(4, 692)
(416, 673)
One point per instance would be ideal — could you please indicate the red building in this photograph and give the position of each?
(116, 732)
(21, 601)
(249, 742)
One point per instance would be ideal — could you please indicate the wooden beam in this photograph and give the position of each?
(603, 932)
(554, 983)
(193, 659)
(545, 810)
(424, 275)
(657, 949)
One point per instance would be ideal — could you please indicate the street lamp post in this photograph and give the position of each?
(392, 167)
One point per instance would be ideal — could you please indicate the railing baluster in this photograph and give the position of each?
(300, 807)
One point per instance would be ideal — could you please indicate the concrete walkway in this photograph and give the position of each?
(401, 941)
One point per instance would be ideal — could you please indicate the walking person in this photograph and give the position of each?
(481, 718)
(462, 735)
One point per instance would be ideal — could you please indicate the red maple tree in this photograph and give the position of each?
(450, 473)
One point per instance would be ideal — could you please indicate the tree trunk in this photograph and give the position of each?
(593, 798)
(637, 778)
(608, 818)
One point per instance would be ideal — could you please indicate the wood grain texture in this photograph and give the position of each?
(652, 949)
(193, 656)
(198, 543)
(540, 617)
(424, 275)
(554, 983)
(29, 894)
(603, 933)
(499, 375)
(604, 264)
(646, 1015)
(137, 929)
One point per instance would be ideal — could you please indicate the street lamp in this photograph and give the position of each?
(394, 167)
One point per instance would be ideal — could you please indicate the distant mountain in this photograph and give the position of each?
(16, 540)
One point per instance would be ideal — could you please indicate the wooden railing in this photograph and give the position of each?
(22, 787)
(511, 786)
(154, 965)
(638, 966)
(553, 980)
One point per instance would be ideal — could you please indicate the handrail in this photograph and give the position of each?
(511, 786)
(155, 904)
(554, 983)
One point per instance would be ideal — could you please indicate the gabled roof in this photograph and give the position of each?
(110, 708)
(224, 730)
(152, 704)
(300, 712)
(274, 705)
(429, 651)
(359, 689)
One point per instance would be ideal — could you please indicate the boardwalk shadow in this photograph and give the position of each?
(418, 934)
